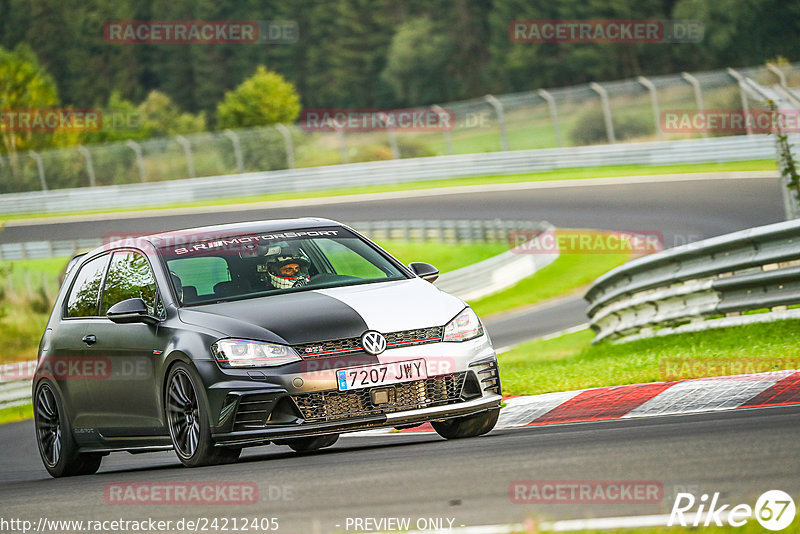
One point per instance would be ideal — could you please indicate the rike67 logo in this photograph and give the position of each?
(774, 510)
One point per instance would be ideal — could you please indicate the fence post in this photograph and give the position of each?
(187, 150)
(777, 72)
(600, 90)
(745, 104)
(654, 103)
(698, 93)
(342, 144)
(237, 149)
(551, 103)
(40, 166)
(287, 141)
(393, 143)
(501, 120)
(89, 166)
(448, 138)
(137, 149)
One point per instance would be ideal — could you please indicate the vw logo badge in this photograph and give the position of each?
(373, 342)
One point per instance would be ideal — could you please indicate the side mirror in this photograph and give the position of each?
(130, 311)
(426, 271)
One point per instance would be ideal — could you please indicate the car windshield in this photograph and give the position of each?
(213, 269)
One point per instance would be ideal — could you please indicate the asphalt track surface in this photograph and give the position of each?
(740, 454)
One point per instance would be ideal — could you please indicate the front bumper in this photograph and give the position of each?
(463, 379)
(422, 415)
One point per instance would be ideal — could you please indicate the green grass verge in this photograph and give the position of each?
(20, 331)
(571, 362)
(567, 274)
(444, 256)
(561, 174)
(17, 413)
(31, 273)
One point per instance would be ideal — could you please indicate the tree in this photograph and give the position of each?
(161, 117)
(24, 84)
(264, 98)
(417, 63)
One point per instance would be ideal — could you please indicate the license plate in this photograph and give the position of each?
(381, 374)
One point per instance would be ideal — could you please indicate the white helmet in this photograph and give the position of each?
(286, 267)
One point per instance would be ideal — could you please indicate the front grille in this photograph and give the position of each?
(420, 336)
(334, 405)
(326, 348)
(405, 338)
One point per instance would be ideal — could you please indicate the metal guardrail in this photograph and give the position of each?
(15, 383)
(448, 230)
(720, 149)
(744, 277)
(16, 393)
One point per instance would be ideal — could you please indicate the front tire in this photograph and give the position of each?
(187, 418)
(468, 426)
(57, 446)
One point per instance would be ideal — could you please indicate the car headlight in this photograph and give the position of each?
(464, 327)
(246, 353)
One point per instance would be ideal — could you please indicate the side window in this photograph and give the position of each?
(82, 301)
(129, 276)
(347, 262)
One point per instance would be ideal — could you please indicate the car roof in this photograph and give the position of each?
(221, 231)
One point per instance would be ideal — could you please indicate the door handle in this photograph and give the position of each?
(89, 339)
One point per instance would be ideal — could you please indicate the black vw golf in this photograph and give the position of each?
(288, 332)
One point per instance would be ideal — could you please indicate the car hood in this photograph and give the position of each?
(334, 313)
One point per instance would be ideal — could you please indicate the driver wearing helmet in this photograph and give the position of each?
(285, 267)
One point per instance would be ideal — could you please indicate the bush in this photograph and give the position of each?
(590, 127)
(414, 148)
(40, 303)
(369, 153)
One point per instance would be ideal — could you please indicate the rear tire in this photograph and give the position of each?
(187, 418)
(468, 426)
(311, 444)
(57, 446)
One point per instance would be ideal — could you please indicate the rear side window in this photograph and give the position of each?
(129, 276)
(82, 301)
